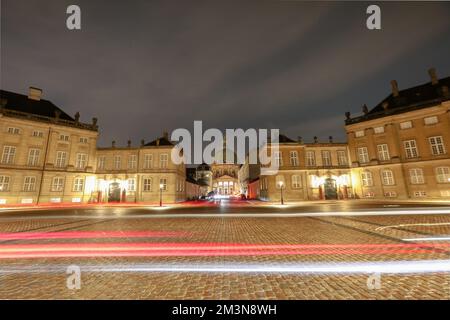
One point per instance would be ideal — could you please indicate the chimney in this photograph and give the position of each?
(113, 144)
(157, 142)
(365, 109)
(166, 135)
(348, 115)
(77, 117)
(142, 142)
(433, 76)
(385, 105)
(94, 121)
(35, 94)
(394, 86)
(316, 139)
(129, 144)
(300, 139)
(330, 139)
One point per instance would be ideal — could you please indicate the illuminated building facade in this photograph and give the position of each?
(308, 171)
(400, 148)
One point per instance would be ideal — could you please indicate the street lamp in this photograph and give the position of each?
(281, 184)
(160, 194)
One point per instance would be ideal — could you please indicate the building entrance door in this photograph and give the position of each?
(330, 189)
(114, 192)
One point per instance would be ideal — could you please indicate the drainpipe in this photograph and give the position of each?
(43, 166)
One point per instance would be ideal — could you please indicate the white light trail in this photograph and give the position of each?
(428, 239)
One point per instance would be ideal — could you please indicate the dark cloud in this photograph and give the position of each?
(143, 67)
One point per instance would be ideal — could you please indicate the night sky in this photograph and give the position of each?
(143, 67)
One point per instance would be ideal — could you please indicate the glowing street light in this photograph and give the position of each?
(161, 186)
(280, 185)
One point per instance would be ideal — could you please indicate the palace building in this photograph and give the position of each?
(399, 149)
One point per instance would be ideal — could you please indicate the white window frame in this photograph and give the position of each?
(363, 154)
(310, 158)
(132, 161)
(293, 155)
(78, 184)
(101, 162)
(9, 154)
(387, 177)
(296, 181)
(163, 182)
(29, 184)
(378, 130)
(383, 152)
(430, 120)
(360, 133)
(61, 159)
(326, 158)
(5, 182)
(416, 176)
(57, 184)
(117, 162)
(81, 162)
(132, 184)
(411, 150)
(147, 184)
(406, 125)
(367, 179)
(437, 145)
(163, 160)
(148, 161)
(443, 174)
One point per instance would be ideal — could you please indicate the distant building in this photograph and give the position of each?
(400, 148)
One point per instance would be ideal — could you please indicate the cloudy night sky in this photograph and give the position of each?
(143, 67)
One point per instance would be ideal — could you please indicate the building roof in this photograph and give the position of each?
(418, 97)
(20, 102)
(163, 141)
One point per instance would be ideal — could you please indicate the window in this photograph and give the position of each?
(443, 174)
(359, 134)
(163, 160)
(61, 157)
(410, 149)
(378, 130)
(420, 194)
(310, 158)
(296, 182)
(4, 183)
(148, 161)
(326, 158)
(78, 184)
(445, 193)
(163, 184)
(431, 120)
(363, 155)
(278, 158)
(81, 161)
(9, 153)
(294, 158)
(83, 140)
(33, 157)
(437, 145)
(369, 194)
(63, 137)
(416, 176)
(13, 130)
(342, 158)
(57, 184)
(390, 194)
(279, 182)
(387, 176)
(29, 184)
(101, 163)
(147, 184)
(117, 162)
(132, 160)
(405, 125)
(37, 134)
(131, 184)
(367, 179)
(383, 152)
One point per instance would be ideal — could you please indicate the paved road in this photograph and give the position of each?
(234, 250)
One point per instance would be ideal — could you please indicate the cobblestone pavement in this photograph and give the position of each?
(153, 277)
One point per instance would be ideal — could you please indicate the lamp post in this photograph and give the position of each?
(160, 194)
(281, 184)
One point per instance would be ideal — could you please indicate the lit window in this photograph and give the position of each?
(33, 157)
(410, 149)
(406, 125)
(369, 194)
(279, 180)
(57, 184)
(101, 163)
(132, 160)
(296, 182)
(310, 158)
(420, 194)
(13, 130)
(4, 183)
(131, 184)
(359, 134)
(431, 120)
(78, 184)
(326, 158)
(363, 155)
(383, 152)
(61, 157)
(342, 158)
(278, 158)
(437, 145)
(378, 130)
(148, 161)
(163, 184)
(9, 153)
(387, 177)
(163, 160)
(443, 174)
(416, 176)
(81, 161)
(294, 158)
(117, 162)
(367, 179)
(29, 184)
(390, 194)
